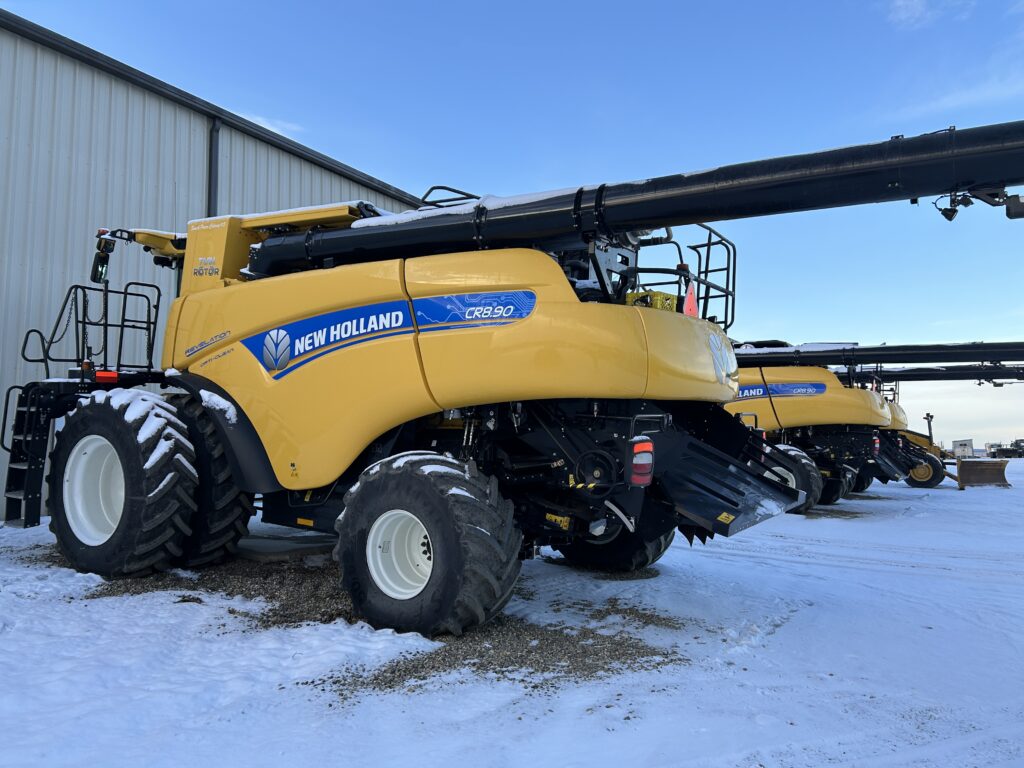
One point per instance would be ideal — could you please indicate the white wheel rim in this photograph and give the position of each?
(399, 554)
(93, 490)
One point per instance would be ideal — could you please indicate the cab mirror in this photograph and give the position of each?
(100, 262)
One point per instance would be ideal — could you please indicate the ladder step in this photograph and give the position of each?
(18, 465)
(20, 522)
(15, 494)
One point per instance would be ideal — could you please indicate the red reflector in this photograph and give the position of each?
(101, 232)
(690, 302)
(106, 376)
(642, 465)
(876, 444)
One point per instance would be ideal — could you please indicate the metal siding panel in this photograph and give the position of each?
(78, 150)
(256, 177)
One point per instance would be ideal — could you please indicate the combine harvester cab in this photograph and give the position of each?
(448, 388)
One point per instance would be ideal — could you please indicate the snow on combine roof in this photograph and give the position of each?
(490, 202)
(819, 346)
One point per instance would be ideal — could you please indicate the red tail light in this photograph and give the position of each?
(876, 445)
(641, 470)
(106, 377)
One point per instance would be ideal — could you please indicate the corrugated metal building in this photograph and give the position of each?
(86, 141)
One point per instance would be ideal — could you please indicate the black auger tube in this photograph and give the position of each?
(895, 354)
(986, 158)
(992, 373)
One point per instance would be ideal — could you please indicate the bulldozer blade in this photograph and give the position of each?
(978, 472)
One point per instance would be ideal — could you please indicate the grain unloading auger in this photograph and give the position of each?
(466, 382)
(848, 420)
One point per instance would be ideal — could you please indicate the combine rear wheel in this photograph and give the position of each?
(623, 551)
(807, 477)
(427, 544)
(223, 513)
(122, 484)
(928, 474)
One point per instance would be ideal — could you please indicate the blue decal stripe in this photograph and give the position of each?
(757, 391)
(288, 347)
(470, 307)
(455, 327)
(346, 345)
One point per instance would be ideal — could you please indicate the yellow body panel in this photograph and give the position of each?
(565, 348)
(897, 416)
(325, 398)
(786, 405)
(922, 441)
(332, 215)
(315, 421)
(216, 250)
(161, 242)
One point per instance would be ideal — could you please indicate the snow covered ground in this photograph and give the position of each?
(886, 631)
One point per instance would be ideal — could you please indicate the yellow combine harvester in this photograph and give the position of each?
(853, 429)
(808, 412)
(447, 388)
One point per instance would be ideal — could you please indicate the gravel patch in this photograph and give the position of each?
(295, 591)
(593, 641)
(541, 659)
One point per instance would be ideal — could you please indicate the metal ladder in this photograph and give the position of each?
(30, 437)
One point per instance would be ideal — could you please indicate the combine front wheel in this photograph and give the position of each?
(427, 544)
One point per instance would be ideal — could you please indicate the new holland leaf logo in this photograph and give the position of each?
(277, 349)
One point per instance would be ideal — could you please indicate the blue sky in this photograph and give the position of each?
(514, 97)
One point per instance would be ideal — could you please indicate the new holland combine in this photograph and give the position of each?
(447, 388)
(848, 422)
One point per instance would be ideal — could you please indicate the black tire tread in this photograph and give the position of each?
(224, 510)
(490, 538)
(170, 481)
(628, 552)
(815, 481)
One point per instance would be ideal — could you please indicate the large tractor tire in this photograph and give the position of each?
(849, 481)
(927, 474)
(620, 550)
(223, 510)
(832, 490)
(122, 484)
(427, 544)
(807, 478)
(864, 479)
(835, 488)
